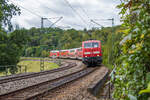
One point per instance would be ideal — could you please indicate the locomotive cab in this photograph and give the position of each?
(92, 54)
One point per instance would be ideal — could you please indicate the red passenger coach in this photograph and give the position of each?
(64, 53)
(54, 53)
(92, 53)
(72, 53)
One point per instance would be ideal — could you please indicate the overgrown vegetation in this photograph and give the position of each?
(133, 64)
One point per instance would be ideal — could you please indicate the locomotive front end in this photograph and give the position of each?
(92, 54)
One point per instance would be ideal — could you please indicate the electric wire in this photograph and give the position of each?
(27, 10)
(50, 9)
(75, 11)
(59, 17)
(44, 4)
(52, 17)
(83, 10)
(30, 11)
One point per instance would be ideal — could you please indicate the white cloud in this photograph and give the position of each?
(99, 9)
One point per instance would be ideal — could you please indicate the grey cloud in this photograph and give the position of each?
(56, 8)
(35, 21)
(59, 11)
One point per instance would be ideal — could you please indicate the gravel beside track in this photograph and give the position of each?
(19, 84)
(33, 92)
(77, 90)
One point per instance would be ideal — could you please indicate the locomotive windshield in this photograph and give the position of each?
(91, 45)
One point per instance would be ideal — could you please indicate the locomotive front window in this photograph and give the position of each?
(91, 45)
(95, 44)
(87, 45)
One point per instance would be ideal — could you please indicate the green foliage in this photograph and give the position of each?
(147, 90)
(7, 10)
(44, 53)
(11, 47)
(9, 50)
(110, 38)
(134, 60)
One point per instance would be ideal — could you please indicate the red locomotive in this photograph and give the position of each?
(90, 53)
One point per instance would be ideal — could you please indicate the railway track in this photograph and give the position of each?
(42, 89)
(30, 75)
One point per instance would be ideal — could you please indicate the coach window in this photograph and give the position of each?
(71, 50)
(79, 49)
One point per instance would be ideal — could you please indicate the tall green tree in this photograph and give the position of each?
(7, 10)
(8, 48)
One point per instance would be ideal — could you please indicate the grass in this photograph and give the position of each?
(33, 66)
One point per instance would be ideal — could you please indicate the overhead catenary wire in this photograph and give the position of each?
(34, 13)
(97, 23)
(44, 5)
(30, 11)
(52, 17)
(86, 15)
(83, 10)
(26, 9)
(60, 17)
(75, 12)
(50, 10)
(56, 21)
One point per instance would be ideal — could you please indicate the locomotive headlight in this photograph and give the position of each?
(98, 55)
(87, 53)
(96, 52)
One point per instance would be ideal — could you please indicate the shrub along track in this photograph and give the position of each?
(30, 75)
(42, 89)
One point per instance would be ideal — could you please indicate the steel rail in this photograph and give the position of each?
(42, 89)
(35, 74)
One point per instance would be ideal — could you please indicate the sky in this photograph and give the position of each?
(75, 13)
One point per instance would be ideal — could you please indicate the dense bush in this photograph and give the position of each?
(135, 55)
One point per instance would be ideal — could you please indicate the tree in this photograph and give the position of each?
(7, 10)
(8, 49)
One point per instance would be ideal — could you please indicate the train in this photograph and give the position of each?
(90, 53)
